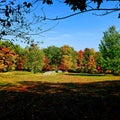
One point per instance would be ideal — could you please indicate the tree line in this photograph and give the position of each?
(65, 58)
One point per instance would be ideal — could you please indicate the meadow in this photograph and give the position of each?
(15, 77)
(74, 96)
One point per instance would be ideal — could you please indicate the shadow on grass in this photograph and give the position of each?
(58, 101)
(87, 74)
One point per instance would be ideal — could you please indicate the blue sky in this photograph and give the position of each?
(80, 32)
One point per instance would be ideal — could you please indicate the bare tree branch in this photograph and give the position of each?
(77, 13)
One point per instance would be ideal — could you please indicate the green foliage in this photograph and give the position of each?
(17, 49)
(53, 56)
(110, 50)
(34, 58)
(5, 43)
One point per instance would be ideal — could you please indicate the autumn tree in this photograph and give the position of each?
(68, 58)
(89, 60)
(92, 65)
(66, 62)
(80, 64)
(8, 59)
(17, 49)
(110, 50)
(46, 66)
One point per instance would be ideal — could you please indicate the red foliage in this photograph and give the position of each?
(46, 61)
(6, 50)
(62, 67)
(99, 69)
(47, 67)
(7, 59)
(80, 56)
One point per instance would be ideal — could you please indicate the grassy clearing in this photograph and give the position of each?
(18, 76)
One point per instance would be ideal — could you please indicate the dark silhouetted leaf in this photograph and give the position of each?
(18, 7)
(29, 5)
(12, 3)
(25, 3)
(7, 13)
(8, 24)
(3, 33)
(3, 1)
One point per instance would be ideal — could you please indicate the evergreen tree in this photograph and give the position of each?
(110, 50)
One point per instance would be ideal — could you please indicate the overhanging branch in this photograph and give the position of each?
(74, 14)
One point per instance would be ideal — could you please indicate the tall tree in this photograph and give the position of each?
(35, 58)
(88, 54)
(68, 58)
(110, 50)
(53, 55)
(80, 58)
(92, 65)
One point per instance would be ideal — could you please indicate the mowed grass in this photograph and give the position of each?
(65, 96)
(18, 76)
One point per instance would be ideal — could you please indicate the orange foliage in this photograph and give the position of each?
(7, 59)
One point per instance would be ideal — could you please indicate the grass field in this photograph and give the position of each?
(66, 96)
(17, 76)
